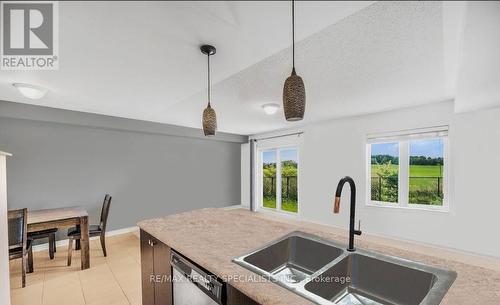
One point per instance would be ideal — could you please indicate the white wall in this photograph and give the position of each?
(478, 82)
(337, 148)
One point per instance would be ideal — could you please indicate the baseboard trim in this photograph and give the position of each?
(64, 242)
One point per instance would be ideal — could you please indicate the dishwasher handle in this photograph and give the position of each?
(208, 283)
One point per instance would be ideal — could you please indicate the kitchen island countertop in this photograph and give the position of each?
(213, 237)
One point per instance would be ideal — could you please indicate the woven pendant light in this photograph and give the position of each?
(294, 92)
(209, 116)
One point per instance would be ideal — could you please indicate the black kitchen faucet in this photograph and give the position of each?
(336, 209)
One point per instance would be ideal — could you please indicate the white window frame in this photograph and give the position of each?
(403, 140)
(277, 145)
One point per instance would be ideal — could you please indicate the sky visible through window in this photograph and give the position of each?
(289, 154)
(428, 147)
(391, 149)
(269, 156)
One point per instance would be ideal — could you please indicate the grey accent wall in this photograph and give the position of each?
(148, 174)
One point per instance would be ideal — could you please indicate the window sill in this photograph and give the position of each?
(271, 211)
(418, 207)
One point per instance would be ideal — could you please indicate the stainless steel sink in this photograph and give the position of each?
(321, 271)
(377, 279)
(293, 258)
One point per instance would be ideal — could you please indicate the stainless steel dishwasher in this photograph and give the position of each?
(193, 286)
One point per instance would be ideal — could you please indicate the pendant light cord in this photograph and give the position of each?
(293, 35)
(208, 58)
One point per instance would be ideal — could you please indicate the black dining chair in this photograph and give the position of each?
(74, 233)
(19, 245)
(50, 234)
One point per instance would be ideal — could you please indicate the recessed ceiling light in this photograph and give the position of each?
(30, 91)
(270, 108)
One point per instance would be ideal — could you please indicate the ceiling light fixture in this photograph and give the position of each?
(270, 108)
(294, 92)
(30, 91)
(209, 117)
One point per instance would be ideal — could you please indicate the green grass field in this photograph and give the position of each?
(269, 202)
(415, 170)
(426, 171)
(289, 205)
(425, 187)
(286, 205)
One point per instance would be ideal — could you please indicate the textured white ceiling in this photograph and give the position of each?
(141, 59)
(387, 56)
(136, 59)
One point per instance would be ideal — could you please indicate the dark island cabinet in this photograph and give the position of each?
(156, 276)
(156, 271)
(235, 297)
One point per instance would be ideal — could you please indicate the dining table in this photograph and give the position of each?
(64, 217)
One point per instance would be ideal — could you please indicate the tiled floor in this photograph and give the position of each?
(111, 280)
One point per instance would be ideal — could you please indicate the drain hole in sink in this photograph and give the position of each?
(291, 274)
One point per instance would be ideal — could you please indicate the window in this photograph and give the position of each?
(279, 179)
(408, 169)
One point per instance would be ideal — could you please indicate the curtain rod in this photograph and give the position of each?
(404, 132)
(280, 136)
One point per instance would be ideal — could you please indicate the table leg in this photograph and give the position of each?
(77, 242)
(84, 242)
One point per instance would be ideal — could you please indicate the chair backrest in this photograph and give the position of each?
(105, 212)
(18, 227)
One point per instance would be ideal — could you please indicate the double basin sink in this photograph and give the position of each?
(323, 272)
